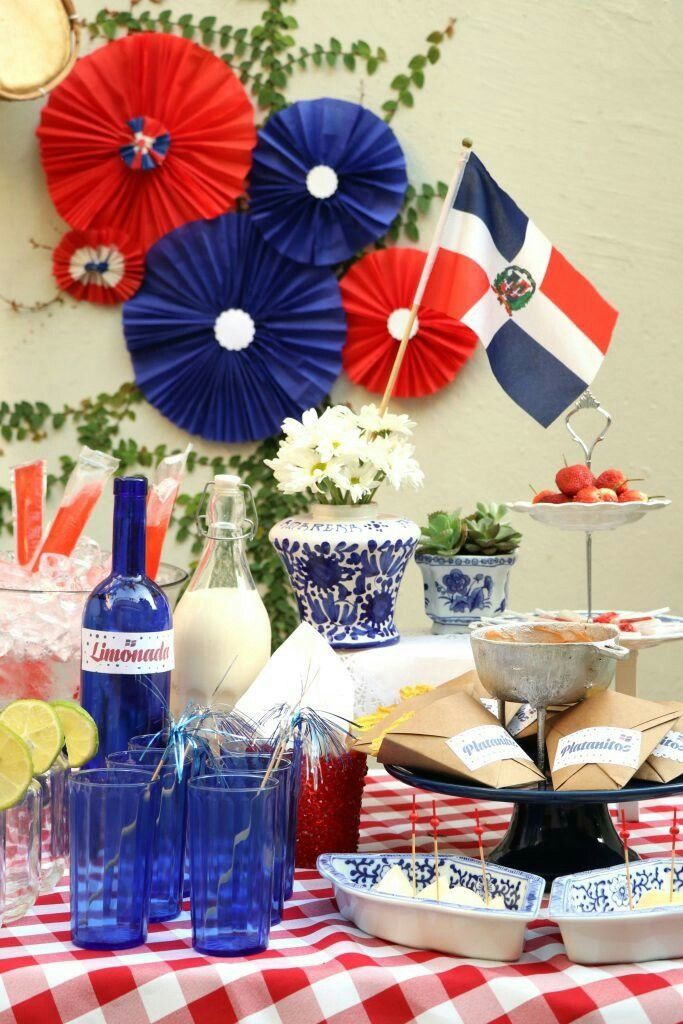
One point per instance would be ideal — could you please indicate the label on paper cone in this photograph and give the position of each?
(523, 716)
(600, 744)
(128, 654)
(670, 746)
(490, 704)
(485, 744)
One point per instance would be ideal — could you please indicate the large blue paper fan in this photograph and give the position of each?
(227, 336)
(328, 178)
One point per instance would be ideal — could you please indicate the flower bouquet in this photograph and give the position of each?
(345, 561)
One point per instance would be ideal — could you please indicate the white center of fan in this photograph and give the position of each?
(234, 329)
(322, 181)
(396, 323)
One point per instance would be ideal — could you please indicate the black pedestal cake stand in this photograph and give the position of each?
(551, 833)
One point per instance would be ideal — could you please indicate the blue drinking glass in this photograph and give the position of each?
(246, 761)
(293, 753)
(199, 766)
(112, 813)
(232, 857)
(168, 859)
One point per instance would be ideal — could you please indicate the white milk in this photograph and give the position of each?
(215, 628)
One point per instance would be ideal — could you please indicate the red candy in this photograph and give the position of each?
(329, 815)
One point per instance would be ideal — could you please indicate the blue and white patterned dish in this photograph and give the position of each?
(461, 931)
(598, 927)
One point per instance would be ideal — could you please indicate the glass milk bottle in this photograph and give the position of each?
(222, 630)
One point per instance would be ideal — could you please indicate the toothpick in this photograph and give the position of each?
(673, 832)
(413, 822)
(434, 822)
(624, 834)
(478, 831)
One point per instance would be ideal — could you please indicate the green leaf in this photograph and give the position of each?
(362, 48)
(423, 204)
(335, 45)
(372, 65)
(412, 232)
(390, 106)
(418, 78)
(331, 58)
(433, 54)
(350, 61)
(400, 82)
(435, 37)
(406, 98)
(206, 24)
(442, 189)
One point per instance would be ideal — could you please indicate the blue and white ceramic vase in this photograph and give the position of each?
(460, 589)
(345, 564)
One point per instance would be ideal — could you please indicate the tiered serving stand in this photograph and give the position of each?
(558, 833)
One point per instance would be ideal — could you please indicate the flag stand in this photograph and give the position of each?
(426, 271)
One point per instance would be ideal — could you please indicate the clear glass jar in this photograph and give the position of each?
(22, 854)
(54, 826)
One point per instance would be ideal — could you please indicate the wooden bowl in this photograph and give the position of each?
(39, 43)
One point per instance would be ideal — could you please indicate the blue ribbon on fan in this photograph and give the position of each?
(328, 178)
(228, 336)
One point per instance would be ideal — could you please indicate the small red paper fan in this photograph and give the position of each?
(146, 133)
(377, 293)
(98, 266)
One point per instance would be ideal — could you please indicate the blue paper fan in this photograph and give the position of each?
(227, 336)
(328, 178)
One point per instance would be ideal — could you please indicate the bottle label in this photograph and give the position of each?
(129, 654)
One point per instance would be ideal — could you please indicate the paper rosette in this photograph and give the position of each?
(98, 266)
(328, 178)
(227, 336)
(145, 134)
(378, 292)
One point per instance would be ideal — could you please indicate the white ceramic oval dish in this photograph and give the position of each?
(597, 927)
(426, 924)
(589, 517)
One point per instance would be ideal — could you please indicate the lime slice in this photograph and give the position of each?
(80, 731)
(37, 723)
(16, 768)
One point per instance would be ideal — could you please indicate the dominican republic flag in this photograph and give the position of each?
(544, 326)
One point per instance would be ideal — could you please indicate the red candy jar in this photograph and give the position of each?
(329, 808)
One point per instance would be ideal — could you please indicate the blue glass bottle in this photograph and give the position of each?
(127, 640)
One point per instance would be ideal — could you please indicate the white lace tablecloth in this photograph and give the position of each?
(418, 658)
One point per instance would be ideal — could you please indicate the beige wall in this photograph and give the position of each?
(575, 107)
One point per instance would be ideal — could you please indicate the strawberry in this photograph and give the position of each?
(612, 478)
(629, 495)
(550, 498)
(589, 495)
(570, 479)
(607, 494)
(542, 496)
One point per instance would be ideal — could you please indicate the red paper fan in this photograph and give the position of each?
(377, 293)
(98, 266)
(145, 134)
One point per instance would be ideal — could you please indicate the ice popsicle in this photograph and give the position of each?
(82, 492)
(160, 501)
(28, 502)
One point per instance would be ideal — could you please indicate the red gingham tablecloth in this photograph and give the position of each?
(320, 968)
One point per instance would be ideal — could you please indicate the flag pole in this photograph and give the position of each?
(426, 271)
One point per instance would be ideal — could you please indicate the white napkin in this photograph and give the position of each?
(303, 672)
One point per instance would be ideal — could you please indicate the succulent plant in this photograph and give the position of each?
(481, 533)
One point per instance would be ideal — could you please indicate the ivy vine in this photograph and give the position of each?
(265, 57)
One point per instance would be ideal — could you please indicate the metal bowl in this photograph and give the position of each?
(540, 674)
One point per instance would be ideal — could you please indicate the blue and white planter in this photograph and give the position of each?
(460, 589)
(345, 564)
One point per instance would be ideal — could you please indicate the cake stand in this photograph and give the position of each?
(550, 833)
(589, 518)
